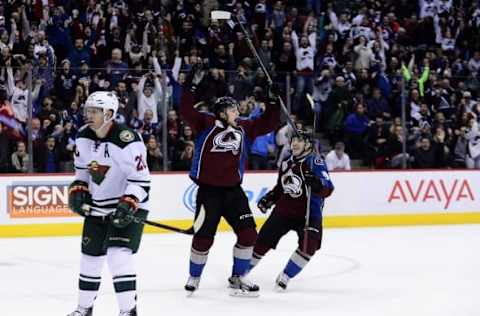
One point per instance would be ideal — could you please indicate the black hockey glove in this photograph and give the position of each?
(126, 207)
(313, 181)
(266, 202)
(78, 195)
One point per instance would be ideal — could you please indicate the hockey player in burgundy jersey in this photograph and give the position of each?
(217, 168)
(301, 170)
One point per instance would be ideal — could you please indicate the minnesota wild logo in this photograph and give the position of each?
(97, 171)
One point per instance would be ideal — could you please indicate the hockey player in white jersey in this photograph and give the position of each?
(111, 175)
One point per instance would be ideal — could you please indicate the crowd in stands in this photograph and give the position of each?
(359, 59)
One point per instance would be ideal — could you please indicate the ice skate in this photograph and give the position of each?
(81, 311)
(242, 286)
(192, 284)
(281, 282)
(132, 312)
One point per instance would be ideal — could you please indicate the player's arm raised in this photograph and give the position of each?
(265, 123)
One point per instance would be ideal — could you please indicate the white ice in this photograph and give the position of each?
(376, 272)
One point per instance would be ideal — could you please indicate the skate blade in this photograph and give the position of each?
(189, 293)
(279, 289)
(243, 293)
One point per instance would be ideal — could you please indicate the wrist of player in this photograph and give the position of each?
(124, 214)
(78, 196)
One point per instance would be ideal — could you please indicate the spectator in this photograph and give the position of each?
(5, 145)
(116, 68)
(184, 161)
(261, 151)
(424, 155)
(339, 105)
(305, 49)
(65, 82)
(78, 53)
(356, 126)
(148, 127)
(473, 137)
(378, 105)
(154, 155)
(20, 158)
(394, 152)
(378, 134)
(148, 96)
(337, 159)
(48, 157)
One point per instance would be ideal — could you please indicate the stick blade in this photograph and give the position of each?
(220, 15)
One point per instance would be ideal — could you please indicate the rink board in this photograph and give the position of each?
(34, 205)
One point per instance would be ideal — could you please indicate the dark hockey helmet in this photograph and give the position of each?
(303, 135)
(223, 103)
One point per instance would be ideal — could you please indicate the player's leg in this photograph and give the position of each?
(240, 218)
(274, 228)
(300, 257)
(121, 245)
(91, 264)
(207, 216)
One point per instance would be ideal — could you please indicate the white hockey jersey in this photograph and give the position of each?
(113, 166)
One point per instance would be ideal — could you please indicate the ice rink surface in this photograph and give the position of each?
(376, 272)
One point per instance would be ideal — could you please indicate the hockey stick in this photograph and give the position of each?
(309, 188)
(225, 15)
(190, 231)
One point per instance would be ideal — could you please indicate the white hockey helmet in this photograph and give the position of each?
(105, 100)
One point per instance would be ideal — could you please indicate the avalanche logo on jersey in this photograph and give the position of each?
(227, 140)
(292, 184)
(97, 172)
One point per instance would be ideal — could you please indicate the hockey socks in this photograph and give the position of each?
(254, 261)
(258, 252)
(89, 279)
(198, 259)
(241, 259)
(297, 262)
(120, 262)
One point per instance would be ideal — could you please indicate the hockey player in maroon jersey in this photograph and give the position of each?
(218, 166)
(302, 170)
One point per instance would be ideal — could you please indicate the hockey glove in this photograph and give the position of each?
(126, 207)
(266, 202)
(313, 181)
(78, 195)
(317, 184)
(273, 91)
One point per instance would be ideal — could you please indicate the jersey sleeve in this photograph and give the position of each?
(197, 120)
(133, 163)
(265, 123)
(319, 168)
(81, 160)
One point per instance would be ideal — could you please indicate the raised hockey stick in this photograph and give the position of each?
(309, 188)
(225, 15)
(190, 231)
